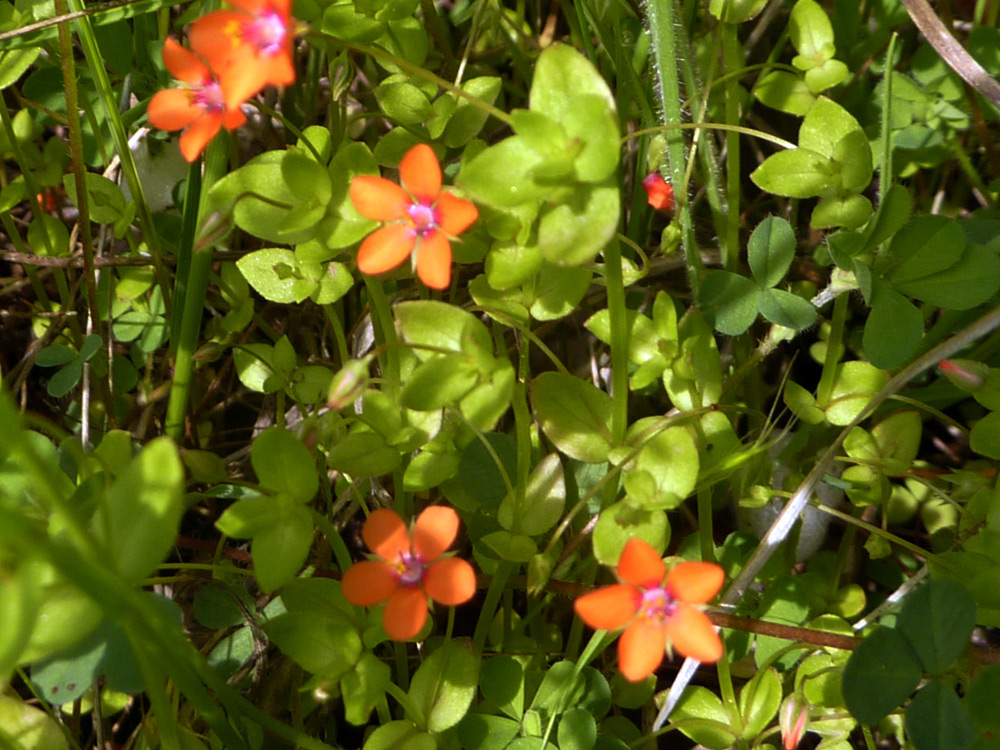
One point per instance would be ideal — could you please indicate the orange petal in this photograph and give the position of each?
(693, 634)
(172, 109)
(610, 607)
(386, 534)
(641, 648)
(385, 248)
(405, 613)
(641, 565)
(216, 36)
(233, 118)
(695, 582)
(253, 7)
(421, 173)
(434, 532)
(369, 582)
(199, 133)
(184, 65)
(450, 581)
(434, 260)
(281, 65)
(454, 215)
(379, 199)
(245, 75)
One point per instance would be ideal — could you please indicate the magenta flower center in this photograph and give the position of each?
(657, 604)
(411, 569)
(423, 217)
(208, 97)
(267, 33)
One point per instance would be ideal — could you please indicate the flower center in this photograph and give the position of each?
(422, 217)
(411, 569)
(657, 604)
(267, 33)
(208, 97)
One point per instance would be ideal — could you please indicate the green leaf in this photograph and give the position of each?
(284, 465)
(701, 716)
(785, 92)
(577, 730)
(31, 726)
(363, 454)
(759, 701)
(403, 102)
(591, 121)
(938, 619)
(138, 518)
(273, 272)
(14, 63)
(573, 233)
(485, 732)
(880, 674)
(925, 246)
(70, 674)
(849, 211)
(893, 212)
(399, 735)
(470, 117)
(809, 29)
(305, 177)
(665, 471)
(445, 684)
(984, 692)
(937, 720)
(622, 521)
(280, 550)
(574, 415)
(985, 436)
(561, 75)
(501, 175)
(513, 547)
(732, 300)
(796, 173)
(970, 282)
(325, 647)
(502, 683)
(431, 325)
(786, 309)
(893, 329)
(854, 385)
(439, 382)
(770, 250)
(479, 473)
(559, 291)
(825, 126)
(802, 403)
(544, 500)
(363, 687)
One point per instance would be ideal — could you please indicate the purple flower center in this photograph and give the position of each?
(267, 33)
(657, 604)
(208, 97)
(423, 217)
(411, 569)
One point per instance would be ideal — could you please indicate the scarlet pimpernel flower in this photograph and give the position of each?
(656, 608)
(198, 107)
(418, 216)
(249, 47)
(409, 569)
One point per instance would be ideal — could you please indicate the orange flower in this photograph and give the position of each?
(659, 193)
(422, 217)
(199, 107)
(249, 48)
(656, 606)
(410, 569)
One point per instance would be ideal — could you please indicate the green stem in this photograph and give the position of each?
(503, 572)
(661, 15)
(617, 315)
(834, 349)
(195, 289)
(732, 51)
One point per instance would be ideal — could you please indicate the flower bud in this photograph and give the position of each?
(348, 384)
(793, 718)
(966, 374)
(659, 193)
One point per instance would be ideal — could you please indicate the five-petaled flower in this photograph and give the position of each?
(199, 107)
(410, 569)
(420, 216)
(659, 193)
(249, 48)
(656, 606)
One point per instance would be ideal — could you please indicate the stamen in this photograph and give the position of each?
(412, 569)
(422, 217)
(657, 604)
